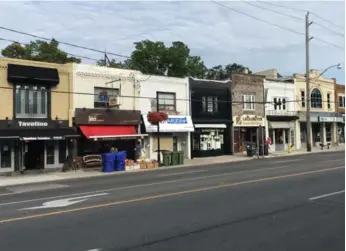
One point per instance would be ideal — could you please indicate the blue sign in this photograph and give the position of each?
(178, 121)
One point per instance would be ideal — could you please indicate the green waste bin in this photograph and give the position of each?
(175, 158)
(181, 157)
(166, 156)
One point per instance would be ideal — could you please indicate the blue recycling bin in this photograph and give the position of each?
(119, 163)
(108, 162)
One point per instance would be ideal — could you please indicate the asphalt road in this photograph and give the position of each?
(288, 203)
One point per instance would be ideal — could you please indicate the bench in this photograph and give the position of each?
(327, 145)
(92, 160)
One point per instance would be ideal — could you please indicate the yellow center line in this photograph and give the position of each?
(115, 203)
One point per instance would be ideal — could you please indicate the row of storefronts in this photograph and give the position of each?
(50, 116)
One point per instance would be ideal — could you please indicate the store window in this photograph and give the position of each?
(211, 139)
(6, 154)
(62, 151)
(316, 98)
(30, 102)
(249, 102)
(102, 95)
(328, 132)
(50, 152)
(166, 101)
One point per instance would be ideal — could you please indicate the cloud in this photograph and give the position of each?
(218, 34)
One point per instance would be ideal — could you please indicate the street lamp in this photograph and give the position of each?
(308, 119)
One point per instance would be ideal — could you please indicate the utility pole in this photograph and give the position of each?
(307, 80)
(158, 133)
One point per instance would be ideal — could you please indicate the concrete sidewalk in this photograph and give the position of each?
(56, 176)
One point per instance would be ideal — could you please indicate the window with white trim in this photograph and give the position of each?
(328, 100)
(31, 102)
(249, 102)
(102, 95)
(210, 104)
(302, 98)
(279, 103)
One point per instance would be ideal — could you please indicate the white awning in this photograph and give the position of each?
(210, 126)
(175, 123)
(280, 125)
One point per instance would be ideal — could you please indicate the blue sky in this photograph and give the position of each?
(217, 34)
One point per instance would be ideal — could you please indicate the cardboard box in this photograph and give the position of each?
(156, 164)
(150, 165)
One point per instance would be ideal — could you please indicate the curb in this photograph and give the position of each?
(100, 174)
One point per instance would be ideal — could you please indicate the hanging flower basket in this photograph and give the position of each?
(155, 118)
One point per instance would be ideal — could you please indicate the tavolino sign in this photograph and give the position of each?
(174, 123)
(32, 124)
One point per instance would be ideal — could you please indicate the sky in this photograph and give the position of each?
(220, 35)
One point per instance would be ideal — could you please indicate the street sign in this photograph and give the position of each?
(64, 202)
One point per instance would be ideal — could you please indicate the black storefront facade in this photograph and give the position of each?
(29, 138)
(102, 129)
(211, 112)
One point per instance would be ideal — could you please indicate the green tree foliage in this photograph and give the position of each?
(39, 51)
(220, 72)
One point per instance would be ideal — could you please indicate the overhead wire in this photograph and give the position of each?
(70, 54)
(327, 42)
(330, 30)
(256, 18)
(61, 42)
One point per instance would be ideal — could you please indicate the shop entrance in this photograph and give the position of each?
(34, 155)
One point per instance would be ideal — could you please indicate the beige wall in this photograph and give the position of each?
(325, 85)
(61, 102)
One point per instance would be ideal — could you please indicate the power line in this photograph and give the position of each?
(278, 12)
(301, 10)
(256, 18)
(65, 43)
(70, 54)
(326, 42)
(326, 28)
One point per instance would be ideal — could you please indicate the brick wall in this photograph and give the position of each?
(339, 89)
(247, 84)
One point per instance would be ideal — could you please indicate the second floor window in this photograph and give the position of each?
(210, 104)
(316, 98)
(328, 100)
(249, 102)
(342, 101)
(166, 101)
(279, 103)
(302, 98)
(31, 102)
(102, 95)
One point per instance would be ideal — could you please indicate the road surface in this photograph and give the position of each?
(287, 203)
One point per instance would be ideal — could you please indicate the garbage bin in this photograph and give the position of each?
(181, 157)
(175, 158)
(166, 158)
(250, 149)
(108, 162)
(119, 161)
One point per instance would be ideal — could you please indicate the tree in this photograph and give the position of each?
(114, 64)
(222, 73)
(155, 58)
(39, 51)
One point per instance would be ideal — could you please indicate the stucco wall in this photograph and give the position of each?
(61, 94)
(283, 90)
(152, 84)
(86, 77)
(323, 84)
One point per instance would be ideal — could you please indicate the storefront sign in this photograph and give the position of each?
(248, 120)
(32, 124)
(331, 119)
(174, 123)
(42, 138)
(107, 117)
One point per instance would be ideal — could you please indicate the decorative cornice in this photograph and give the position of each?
(130, 76)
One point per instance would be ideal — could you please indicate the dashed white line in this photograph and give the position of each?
(326, 195)
(174, 174)
(285, 161)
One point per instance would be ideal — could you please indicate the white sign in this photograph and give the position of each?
(175, 123)
(32, 124)
(330, 119)
(64, 202)
(248, 120)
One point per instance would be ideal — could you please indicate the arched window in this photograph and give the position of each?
(316, 98)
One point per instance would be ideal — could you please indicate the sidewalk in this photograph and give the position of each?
(46, 177)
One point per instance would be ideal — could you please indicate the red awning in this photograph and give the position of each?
(94, 131)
